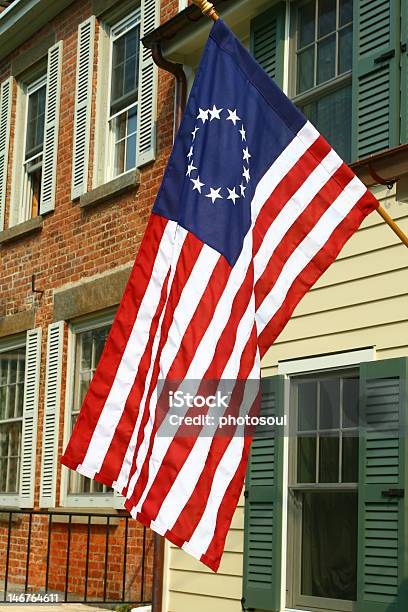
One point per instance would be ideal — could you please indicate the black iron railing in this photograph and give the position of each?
(74, 557)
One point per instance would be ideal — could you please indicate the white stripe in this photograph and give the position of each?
(203, 356)
(128, 367)
(306, 136)
(226, 470)
(293, 209)
(189, 474)
(307, 249)
(183, 313)
(179, 238)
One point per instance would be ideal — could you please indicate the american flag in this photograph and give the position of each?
(253, 208)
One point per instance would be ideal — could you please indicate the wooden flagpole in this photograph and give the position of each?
(208, 9)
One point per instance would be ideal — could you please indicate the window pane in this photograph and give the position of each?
(10, 449)
(329, 459)
(326, 59)
(331, 115)
(125, 67)
(346, 11)
(305, 67)
(131, 152)
(345, 49)
(350, 402)
(306, 32)
(350, 458)
(329, 544)
(329, 404)
(35, 121)
(89, 345)
(327, 16)
(85, 340)
(306, 459)
(307, 406)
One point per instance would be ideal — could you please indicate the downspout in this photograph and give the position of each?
(180, 104)
(181, 81)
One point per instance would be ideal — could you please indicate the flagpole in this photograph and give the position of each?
(208, 9)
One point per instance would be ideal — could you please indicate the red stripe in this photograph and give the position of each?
(287, 188)
(187, 259)
(115, 345)
(193, 510)
(315, 268)
(212, 556)
(189, 344)
(298, 231)
(181, 446)
(115, 455)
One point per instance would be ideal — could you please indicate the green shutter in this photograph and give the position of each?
(263, 508)
(268, 39)
(404, 71)
(376, 82)
(382, 541)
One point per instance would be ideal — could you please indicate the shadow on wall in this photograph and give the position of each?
(401, 602)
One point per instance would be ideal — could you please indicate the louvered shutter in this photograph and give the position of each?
(268, 39)
(404, 72)
(53, 372)
(376, 57)
(382, 551)
(83, 99)
(30, 414)
(52, 104)
(263, 507)
(6, 92)
(147, 97)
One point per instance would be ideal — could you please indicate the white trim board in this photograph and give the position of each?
(327, 362)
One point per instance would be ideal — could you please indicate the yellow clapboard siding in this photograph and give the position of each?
(355, 317)
(231, 563)
(214, 585)
(182, 602)
(364, 266)
(354, 292)
(372, 238)
(380, 336)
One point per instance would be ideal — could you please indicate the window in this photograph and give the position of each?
(12, 369)
(33, 150)
(323, 482)
(89, 344)
(123, 106)
(323, 44)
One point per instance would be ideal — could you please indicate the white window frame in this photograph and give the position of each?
(25, 186)
(288, 368)
(117, 30)
(96, 500)
(12, 500)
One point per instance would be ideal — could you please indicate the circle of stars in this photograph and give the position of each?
(215, 193)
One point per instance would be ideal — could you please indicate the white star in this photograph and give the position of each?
(215, 112)
(233, 116)
(214, 194)
(190, 168)
(243, 133)
(242, 190)
(203, 115)
(195, 132)
(197, 184)
(190, 153)
(246, 174)
(232, 195)
(246, 154)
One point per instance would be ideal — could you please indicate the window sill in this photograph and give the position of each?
(5, 515)
(114, 518)
(21, 230)
(107, 191)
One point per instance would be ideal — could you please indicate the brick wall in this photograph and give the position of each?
(73, 245)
